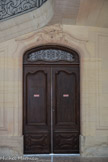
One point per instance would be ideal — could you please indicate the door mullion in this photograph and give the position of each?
(51, 112)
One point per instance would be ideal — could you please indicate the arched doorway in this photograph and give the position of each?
(51, 100)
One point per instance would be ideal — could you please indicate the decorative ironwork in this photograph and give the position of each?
(10, 8)
(51, 55)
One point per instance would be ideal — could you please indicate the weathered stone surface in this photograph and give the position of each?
(92, 47)
(94, 146)
(11, 146)
(27, 22)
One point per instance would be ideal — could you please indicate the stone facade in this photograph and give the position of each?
(92, 45)
(27, 22)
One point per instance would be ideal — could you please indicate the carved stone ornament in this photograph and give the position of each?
(51, 55)
(10, 8)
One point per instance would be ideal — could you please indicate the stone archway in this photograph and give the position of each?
(54, 35)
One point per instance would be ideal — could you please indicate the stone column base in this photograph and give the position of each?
(11, 146)
(94, 146)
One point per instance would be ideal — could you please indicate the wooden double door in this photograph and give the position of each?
(51, 109)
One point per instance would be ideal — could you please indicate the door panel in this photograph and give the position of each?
(51, 109)
(66, 108)
(66, 142)
(37, 98)
(65, 97)
(37, 109)
(37, 143)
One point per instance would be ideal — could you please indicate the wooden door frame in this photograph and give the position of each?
(57, 47)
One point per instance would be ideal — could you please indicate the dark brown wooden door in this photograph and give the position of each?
(51, 116)
(51, 100)
(37, 110)
(65, 85)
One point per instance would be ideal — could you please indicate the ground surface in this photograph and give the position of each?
(58, 159)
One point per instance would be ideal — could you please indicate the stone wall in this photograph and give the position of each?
(27, 22)
(92, 46)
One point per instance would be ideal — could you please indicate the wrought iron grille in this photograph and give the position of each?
(11, 8)
(51, 55)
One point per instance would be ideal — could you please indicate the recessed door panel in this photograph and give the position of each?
(37, 143)
(37, 98)
(66, 142)
(65, 85)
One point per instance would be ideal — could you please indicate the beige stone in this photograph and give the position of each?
(94, 146)
(81, 12)
(11, 145)
(26, 23)
(92, 48)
